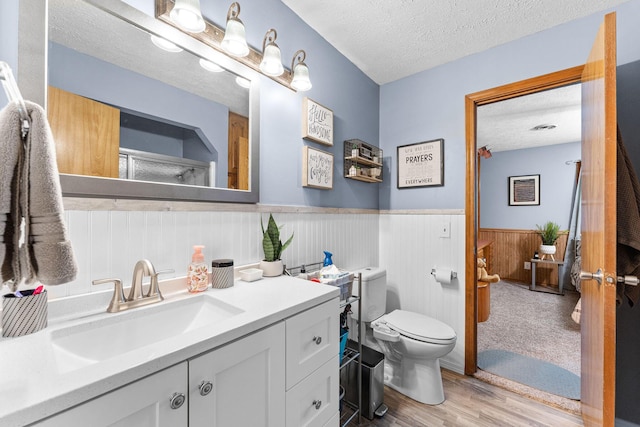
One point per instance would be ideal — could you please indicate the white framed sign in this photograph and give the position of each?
(317, 168)
(421, 164)
(317, 122)
(524, 190)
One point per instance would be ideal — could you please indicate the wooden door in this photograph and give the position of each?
(599, 228)
(238, 152)
(86, 134)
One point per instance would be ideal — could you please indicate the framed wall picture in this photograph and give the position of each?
(421, 164)
(317, 122)
(524, 190)
(317, 168)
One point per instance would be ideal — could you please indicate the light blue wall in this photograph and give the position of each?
(556, 186)
(77, 73)
(337, 84)
(9, 39)
(430, 104)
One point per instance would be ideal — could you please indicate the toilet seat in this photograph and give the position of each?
(417, 326)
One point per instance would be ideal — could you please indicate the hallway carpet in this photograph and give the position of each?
(532, 324)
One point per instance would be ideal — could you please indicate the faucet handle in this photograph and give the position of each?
(154, 287)
(118, 293)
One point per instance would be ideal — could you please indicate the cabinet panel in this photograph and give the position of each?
(314, 401)
(144, 403)
(312, 339)
(247, 382)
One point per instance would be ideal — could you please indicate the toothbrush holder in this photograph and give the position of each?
(24, 315)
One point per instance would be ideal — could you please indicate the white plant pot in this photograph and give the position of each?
(271, 268)
(547, 250)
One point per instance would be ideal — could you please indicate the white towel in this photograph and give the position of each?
(35, 197)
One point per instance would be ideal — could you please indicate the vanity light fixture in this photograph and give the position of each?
(235, 40)
(210, 66)
(300, 72)
(187, 14)
(242, 82)
(271, 64)
(232, 42)
(165, 44)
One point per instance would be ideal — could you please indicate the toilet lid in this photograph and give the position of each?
(420, 327)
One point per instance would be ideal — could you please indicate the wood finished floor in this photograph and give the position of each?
(470, 402)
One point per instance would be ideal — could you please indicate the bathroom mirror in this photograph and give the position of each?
(174, 138)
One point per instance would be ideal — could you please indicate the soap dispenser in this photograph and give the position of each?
(197, 274)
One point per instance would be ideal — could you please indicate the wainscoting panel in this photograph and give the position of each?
(107, 243)
(410, 246)
(511, 248)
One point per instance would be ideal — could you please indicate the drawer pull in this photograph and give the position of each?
(205, 388)
(317, 403)
(317, 340)
(177, 400)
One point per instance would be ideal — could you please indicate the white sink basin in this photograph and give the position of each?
(94, 341)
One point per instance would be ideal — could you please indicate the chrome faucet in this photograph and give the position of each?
(136, 298)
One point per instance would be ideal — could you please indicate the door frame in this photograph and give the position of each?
(472, 101)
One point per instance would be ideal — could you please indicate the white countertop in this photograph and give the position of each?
(32, 386)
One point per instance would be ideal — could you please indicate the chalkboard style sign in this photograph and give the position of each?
(317, 122)
(524, 190)
(421, 164)
(317, 168)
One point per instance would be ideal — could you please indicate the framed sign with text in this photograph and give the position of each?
(317, 122)
(421, 164)
(317, 168)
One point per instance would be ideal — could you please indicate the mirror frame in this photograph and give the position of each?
(32, 78)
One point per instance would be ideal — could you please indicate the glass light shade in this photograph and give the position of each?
(271, 64)
(235, 41)
(242, 82)
(186, 13)
(164, 44)
(210, 66)
(301, 81)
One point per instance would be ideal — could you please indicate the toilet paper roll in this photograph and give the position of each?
(443, 276)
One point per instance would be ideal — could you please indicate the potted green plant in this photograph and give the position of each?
(548, 233)
(271, 265)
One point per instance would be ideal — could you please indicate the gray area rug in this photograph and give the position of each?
(535, 373)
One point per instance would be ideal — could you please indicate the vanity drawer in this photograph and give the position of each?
(312, 339)
(314, 401)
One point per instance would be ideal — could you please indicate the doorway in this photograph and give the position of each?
(472, 102)
(528, 341)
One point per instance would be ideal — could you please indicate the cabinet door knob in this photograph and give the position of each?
(317, 403)
(205, 388)
(177, 400)
(317, 340)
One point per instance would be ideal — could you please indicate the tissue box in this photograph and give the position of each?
(251, 274)
(24, 315)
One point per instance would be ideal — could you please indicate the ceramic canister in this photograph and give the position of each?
(222, 273)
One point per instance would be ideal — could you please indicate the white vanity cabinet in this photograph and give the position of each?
(240, 384)
(312, 346)
(283, 375)
(159, 400)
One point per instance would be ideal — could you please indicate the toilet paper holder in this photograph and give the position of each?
(454, 275)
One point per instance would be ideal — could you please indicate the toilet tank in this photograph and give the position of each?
(374, 292)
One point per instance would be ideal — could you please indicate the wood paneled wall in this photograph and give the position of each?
(511, 248)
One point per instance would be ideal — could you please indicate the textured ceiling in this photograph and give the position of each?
(507, 125)
(389, 40)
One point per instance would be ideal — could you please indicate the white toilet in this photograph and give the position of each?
(412, 343)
